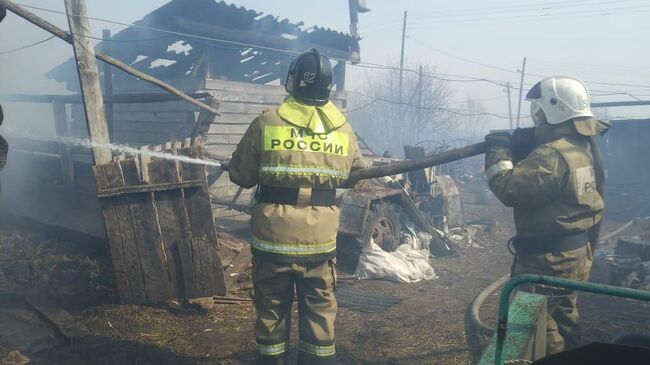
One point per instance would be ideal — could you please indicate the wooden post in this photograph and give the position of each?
(62, 130)
(108, 82)
(91, 91)
(339, 76)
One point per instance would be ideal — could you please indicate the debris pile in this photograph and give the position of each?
(629, 264)
(32, 264)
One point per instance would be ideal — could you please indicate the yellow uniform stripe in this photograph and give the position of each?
(271, 350)
(295, 249)
(304, 171)
(317, 350)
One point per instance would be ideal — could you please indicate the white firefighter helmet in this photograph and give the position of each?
(560, 98)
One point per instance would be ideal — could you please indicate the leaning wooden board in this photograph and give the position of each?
(160, 228)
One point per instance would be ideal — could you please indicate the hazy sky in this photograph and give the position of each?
(596, 40)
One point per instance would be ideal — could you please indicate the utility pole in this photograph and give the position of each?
(509, 105)
(521, 90)
(401, 59)
(91, 91)
(419, 103)
(108, 80)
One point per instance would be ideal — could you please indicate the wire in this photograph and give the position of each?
(460, 58)
(457, 112)
(488, 10)
(123, 40)
(548, 5)
(286, 52)
(277, 50)
(433, 20)
(25, 47)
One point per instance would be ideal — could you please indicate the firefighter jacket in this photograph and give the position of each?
(301, 147)
(553, 190)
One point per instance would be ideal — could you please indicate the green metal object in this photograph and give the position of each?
(504, 300)
(526, 323)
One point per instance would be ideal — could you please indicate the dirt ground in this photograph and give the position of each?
(427, 327)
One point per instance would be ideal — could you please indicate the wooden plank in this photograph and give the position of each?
(174, 225)
(148, 188)
(234, 118)
(148, 128)
(129, 281)
(220, 149)
(60, 119)
(260, 98)
(148, 237)
(199, 211)
(237, 87)
(197, 264)
(166, 107)
(151, 116)
(89, 79)
(69, 326)
(228, 129)
(66, 162)
(250, 108)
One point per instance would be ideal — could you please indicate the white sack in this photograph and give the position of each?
(404, 265)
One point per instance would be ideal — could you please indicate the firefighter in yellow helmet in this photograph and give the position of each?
(556, 190)
(297, 155)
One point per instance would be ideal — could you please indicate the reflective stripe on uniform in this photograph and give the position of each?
(272, 350)
(304, 170)
(317, 350)
(295, 249)
(498, 168)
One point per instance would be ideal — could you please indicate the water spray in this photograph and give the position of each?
(84, 142)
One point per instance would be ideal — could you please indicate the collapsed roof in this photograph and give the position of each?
(206, 38)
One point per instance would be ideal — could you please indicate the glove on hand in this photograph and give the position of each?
(523, 143)
(498, 148)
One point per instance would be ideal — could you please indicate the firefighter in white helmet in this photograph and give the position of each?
(556, 189)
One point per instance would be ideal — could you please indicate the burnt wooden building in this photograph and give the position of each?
(233, 58)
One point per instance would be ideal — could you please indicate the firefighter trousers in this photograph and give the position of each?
(562, 327)
(274, 285)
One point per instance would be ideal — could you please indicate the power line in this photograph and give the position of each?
(603, 11)
(276, 50)
(493, 9)
(541, 17)
(466, 79)
(461, 58)
(447, 110)
(25, 47)
(546, 6)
